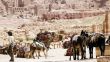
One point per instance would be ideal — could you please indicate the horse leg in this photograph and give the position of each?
(57, 45)
(91, 51)
(78, 54)
(74, 53)
(70, 58)
(32, 53)
(70, 55)
(45, 53)
(84, 52)
(38, 54)
(54, 46)
(102, 49)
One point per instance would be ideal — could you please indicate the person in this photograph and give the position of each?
(11, 44)
(39, 35)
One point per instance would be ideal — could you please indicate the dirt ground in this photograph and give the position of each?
(107, 51)
(104, 59)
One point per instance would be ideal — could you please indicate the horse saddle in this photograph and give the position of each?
(93, 38)
(75, 38)
(33, 44)
(39, 44)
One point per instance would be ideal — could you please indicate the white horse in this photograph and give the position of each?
(40, 46)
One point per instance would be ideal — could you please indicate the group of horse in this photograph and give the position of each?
(78, 44)
(36, 47)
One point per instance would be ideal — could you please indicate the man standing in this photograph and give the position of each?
(11, 43)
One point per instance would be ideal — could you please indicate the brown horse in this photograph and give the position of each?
(36, 48)
(6, 47)
(45, 40)
(78, 44)
(3, 50)
(96, 40)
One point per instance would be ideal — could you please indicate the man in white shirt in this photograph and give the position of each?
(11, 43)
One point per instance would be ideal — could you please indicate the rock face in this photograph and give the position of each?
(2, 7)
(22, 6)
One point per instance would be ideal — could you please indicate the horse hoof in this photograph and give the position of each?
(77, 58)
(74, 59)
(91, 57)
(11, 61)
(85, 58)
(69, 59)
(81, 59)
(34, 58)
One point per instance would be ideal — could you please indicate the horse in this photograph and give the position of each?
(78, 42)
(37, 48)
(45, 40)
(24, 51)
(96, 40)
(57, 40)
(66, 44)
(5, 49)
(21, 52)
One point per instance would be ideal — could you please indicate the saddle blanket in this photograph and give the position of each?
(40, 44)
(75, 38)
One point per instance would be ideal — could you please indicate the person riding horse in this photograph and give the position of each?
(41, 42)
